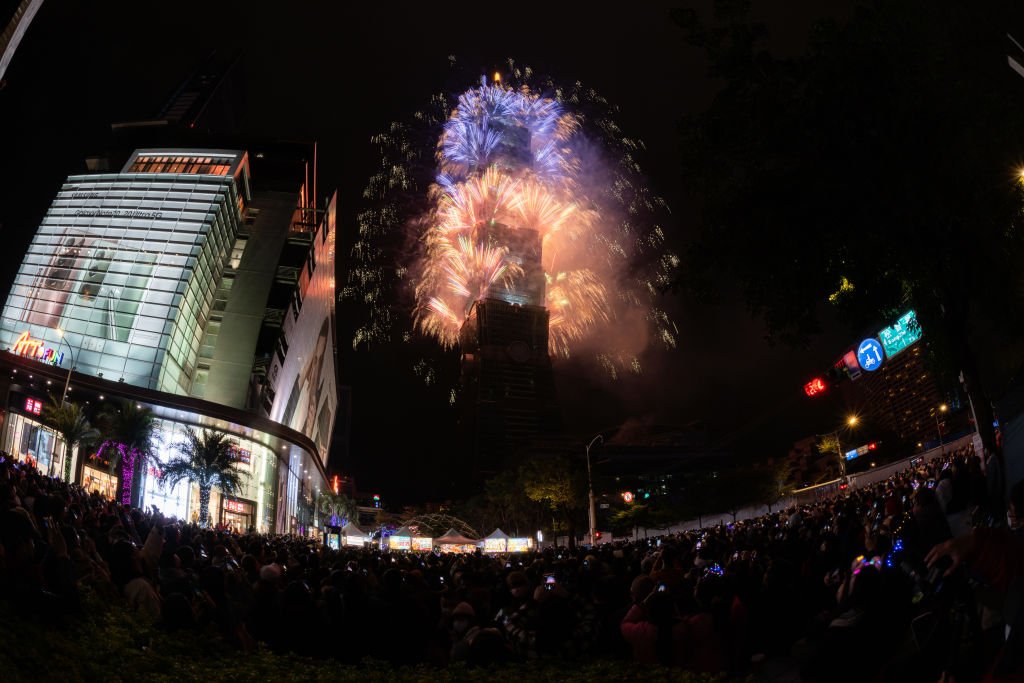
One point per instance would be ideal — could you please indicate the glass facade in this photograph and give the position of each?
(124, 270)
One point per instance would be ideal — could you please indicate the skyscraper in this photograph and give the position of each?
(171, 284)
(507, 385)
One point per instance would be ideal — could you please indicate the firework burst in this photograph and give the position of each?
(514, 182)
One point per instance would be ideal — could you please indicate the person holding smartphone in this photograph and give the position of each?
(655, 631)
(518, 619)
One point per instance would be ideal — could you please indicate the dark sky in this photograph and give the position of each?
(340, 74)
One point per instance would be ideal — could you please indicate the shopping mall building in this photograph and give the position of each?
(183, 284)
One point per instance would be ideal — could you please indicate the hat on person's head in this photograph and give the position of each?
(464, 609)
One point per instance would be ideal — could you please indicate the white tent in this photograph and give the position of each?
(353, 535)
(454, 542)
(497, 542)
(401, 539)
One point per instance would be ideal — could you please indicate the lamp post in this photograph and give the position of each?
(851, 421)
(942, 409)
(67, 381)
(590, 490)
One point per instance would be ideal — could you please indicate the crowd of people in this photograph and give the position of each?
(869, 584)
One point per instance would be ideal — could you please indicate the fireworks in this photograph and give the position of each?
(515, 199)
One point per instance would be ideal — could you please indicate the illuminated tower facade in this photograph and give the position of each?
(507, 385)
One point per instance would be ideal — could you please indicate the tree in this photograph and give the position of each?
(70, 421)
(830, 449)
(554, 482)
(631, 518)
(130, 430)
(780, 483)
(207, 459)
(876, 172)
(740, 487)
(338, 508)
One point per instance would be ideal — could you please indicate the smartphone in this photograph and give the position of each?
(662, 588)
(508, 565)
(549, 582)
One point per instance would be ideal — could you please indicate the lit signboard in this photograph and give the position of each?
(236, 506)
(24, 345)
(240, 454)
(519, 545)
(852, 366)
(861, 450)
(900, 335)
(869, 355)
(33, 406)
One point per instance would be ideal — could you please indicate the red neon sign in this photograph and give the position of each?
(815, 386)
(33, 406)
(236, 506)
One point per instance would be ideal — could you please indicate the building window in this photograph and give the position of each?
(199, 383)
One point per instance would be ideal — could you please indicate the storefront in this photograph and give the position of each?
(237, 514)
(27, 439)
(101, 481)
(281, 473)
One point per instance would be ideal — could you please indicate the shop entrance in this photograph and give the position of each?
(237, 514)
(100, 481)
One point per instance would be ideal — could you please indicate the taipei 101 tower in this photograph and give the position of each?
(507, 390)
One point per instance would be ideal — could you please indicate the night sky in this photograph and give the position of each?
(341, 74)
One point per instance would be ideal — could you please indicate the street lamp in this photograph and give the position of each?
(67, 382)
(590, 490)
(942, 409)
(851, 422)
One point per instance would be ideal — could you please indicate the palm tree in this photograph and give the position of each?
(207, 459)
(70, 421)
(337, 508)
(131, 431)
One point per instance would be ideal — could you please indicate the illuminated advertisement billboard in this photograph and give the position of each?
(305, 384)
(120, 276)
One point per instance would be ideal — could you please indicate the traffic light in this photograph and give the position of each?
(839, 372)
(815, 386)
(376, 500)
